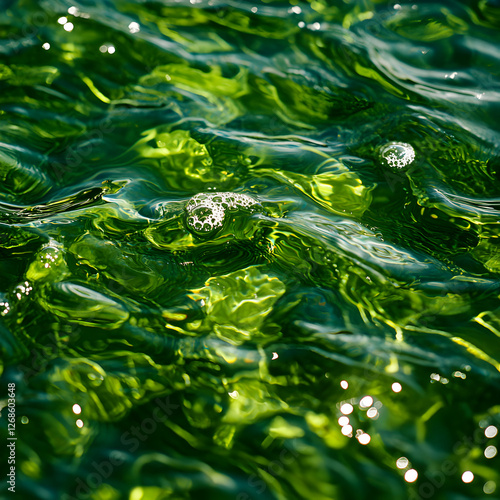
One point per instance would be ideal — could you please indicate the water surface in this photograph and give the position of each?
(249, 250)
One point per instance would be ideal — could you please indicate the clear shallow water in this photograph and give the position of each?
(331, 331)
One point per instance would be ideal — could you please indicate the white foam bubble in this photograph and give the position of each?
(206, 212)
(397, 154)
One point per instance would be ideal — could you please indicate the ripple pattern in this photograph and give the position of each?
(250, 249)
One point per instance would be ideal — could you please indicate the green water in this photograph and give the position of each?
(250, 250)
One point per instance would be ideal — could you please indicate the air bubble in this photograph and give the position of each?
(397, 154)
(206, 212)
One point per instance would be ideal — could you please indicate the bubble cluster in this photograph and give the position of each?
(397, 154)
(206, 212)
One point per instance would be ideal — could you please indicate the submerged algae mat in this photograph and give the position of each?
(250, 250)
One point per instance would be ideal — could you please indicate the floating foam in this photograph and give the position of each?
(397, 154)
(206, 212)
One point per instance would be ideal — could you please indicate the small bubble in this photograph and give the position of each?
(343, 421)
(490, 452)
(402, 463)
(364, 438)
(411, 475)
(25, 419)
(69, 26)
(366, 402)
(397, 154)
(396, 387)
(467, 477)
(207, 211)
(489, 487)
(346, 408)
(347, 430)
(134, 27)
(46, 46)
(490, 431)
